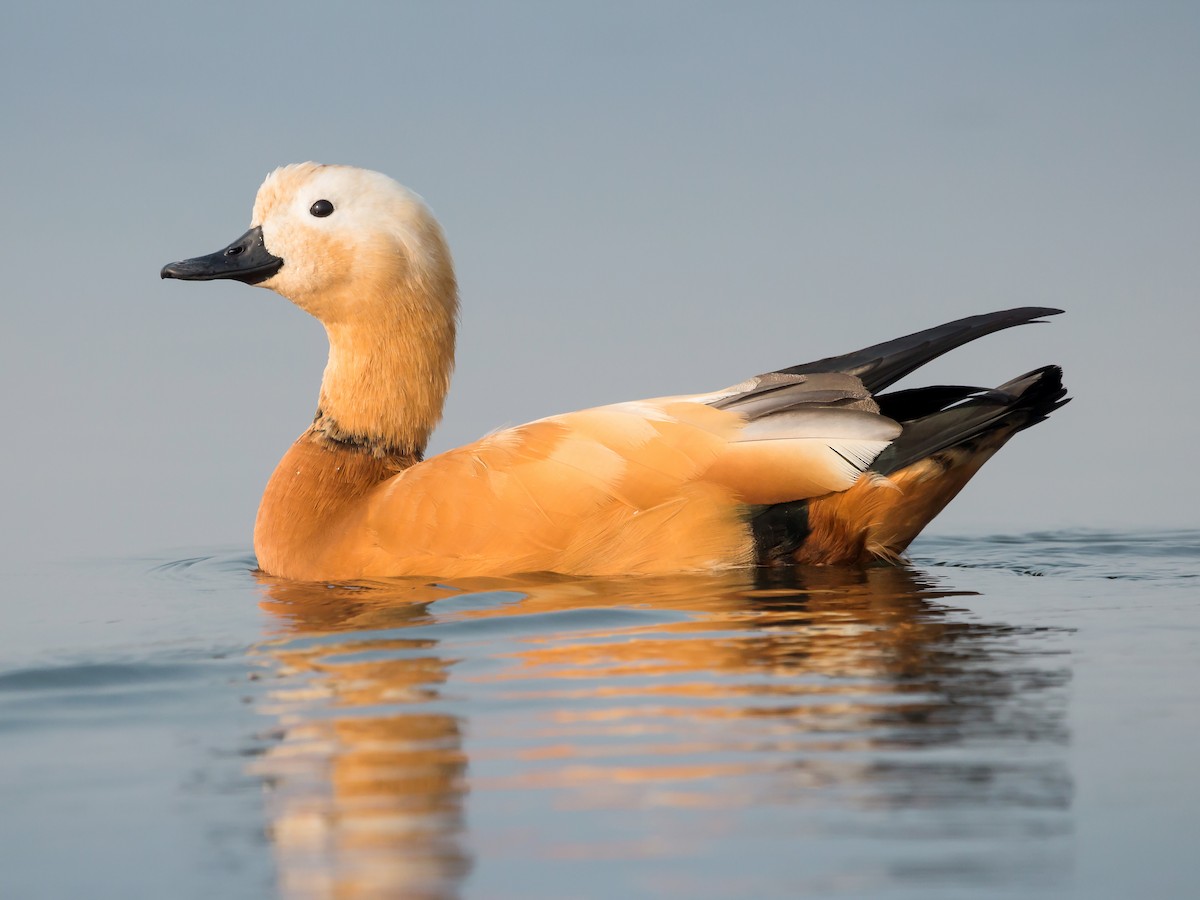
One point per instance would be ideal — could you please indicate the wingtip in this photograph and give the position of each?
(1035, 313)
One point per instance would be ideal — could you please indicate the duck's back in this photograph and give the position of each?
(598, 492)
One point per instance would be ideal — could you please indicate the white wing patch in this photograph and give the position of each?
(803, 453)
(834, 424)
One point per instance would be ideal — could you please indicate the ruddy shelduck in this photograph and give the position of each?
(810, 464)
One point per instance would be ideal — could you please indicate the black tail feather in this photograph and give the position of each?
(904, 406)
(1017, 404)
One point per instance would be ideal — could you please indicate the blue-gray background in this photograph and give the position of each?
(643, 198)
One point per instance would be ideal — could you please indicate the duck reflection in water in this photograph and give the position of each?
(809, 689)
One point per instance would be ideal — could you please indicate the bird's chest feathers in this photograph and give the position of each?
(312, 507)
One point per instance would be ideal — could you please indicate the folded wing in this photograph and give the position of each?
(622, 488)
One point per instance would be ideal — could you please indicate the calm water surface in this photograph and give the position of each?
(1007, 717)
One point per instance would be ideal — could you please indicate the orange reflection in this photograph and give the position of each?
(695, 692)
(364, 803)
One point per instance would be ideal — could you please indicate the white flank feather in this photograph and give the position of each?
(830, 424)
(803, 453)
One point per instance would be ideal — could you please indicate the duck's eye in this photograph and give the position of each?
(321, 209)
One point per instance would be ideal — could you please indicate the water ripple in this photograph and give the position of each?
(211, 571)
(1136, 556)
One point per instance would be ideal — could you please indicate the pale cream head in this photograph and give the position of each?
(380, 243)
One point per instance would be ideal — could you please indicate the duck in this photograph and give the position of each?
(816, 464)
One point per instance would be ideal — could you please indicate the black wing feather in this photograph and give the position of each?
(886, 363)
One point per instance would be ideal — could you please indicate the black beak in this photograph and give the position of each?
(246, 259)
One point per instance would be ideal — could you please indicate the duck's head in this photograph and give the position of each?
(340, 242)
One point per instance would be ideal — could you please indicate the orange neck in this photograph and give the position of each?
(386, 381)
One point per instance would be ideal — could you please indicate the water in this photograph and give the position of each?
(1013, 716)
